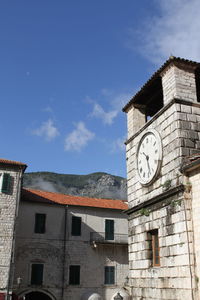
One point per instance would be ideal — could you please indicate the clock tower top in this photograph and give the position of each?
(177, 78)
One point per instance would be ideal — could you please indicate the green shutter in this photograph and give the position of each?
(109, 229)
(109, 275)
(5, 188)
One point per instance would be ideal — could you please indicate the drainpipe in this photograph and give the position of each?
(11, 267)
(64, 250)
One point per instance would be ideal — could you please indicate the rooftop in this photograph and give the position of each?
(12, 162)
(153, 82)
(51, 198)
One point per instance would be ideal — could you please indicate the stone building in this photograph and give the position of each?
(70, 247)
(10, 186)
(163, 188)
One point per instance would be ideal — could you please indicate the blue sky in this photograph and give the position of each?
(68, 67)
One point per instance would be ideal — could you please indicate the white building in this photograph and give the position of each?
(70, 247)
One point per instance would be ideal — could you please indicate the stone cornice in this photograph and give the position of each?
(156, 199)
(160, 112)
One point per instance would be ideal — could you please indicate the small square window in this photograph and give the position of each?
(109, 275)
(76, 226)
(40, 220)
(154, 247)
(74, 275)
(37, 274)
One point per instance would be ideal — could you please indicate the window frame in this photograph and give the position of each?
(154, 247)
(109, 275)
(40, 224)
(74, 278)
(33, 279)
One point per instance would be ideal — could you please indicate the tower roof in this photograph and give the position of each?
(154, 80)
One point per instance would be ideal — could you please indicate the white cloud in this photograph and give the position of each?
(116, 102)
(78, 138)
(47, 130)
(118, 145)
(175, 31)
(106, 117)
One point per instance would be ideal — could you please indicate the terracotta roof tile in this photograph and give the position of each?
(49, 197)
(12, 162)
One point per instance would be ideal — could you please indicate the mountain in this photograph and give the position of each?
(98, 185)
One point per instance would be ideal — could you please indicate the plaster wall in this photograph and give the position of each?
(58, 250)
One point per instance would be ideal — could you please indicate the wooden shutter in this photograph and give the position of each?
(109, 229)
(5, 188)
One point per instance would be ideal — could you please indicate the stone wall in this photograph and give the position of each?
(179, 128)
(8, 211)
(172, 279)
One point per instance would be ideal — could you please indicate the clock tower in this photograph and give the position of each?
(163, 129)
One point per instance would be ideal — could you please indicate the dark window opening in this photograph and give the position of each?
(74, 275)
(6, 183)
(109, 229)
(37, 274)
(197, 80)
(154, 247)
(109, 275)
(76, 226)
(40, 220)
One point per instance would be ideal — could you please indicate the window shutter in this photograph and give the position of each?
(109, 229)
(109, 275)
(76, 226)
(37, 274)
(6, 183)
(40, 221)
(74, 275)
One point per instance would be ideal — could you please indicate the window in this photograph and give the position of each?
(109, 275)
(40, 220)
(5, 183)
(154, 247)
(37, 274)
(74, 275)
(76, 226)
(109, 229)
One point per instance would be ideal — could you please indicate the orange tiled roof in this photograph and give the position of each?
(12, 162)
(49, 197)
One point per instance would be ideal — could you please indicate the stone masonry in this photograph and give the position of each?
(8, 212)
(164, 205)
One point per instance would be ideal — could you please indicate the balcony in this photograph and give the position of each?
(100, 238)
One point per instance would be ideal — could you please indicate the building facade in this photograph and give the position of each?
(10, 186)
(70, 247)
(163, 129)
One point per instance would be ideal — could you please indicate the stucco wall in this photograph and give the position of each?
(58, 250)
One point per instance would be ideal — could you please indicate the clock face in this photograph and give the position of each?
(149, 157)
